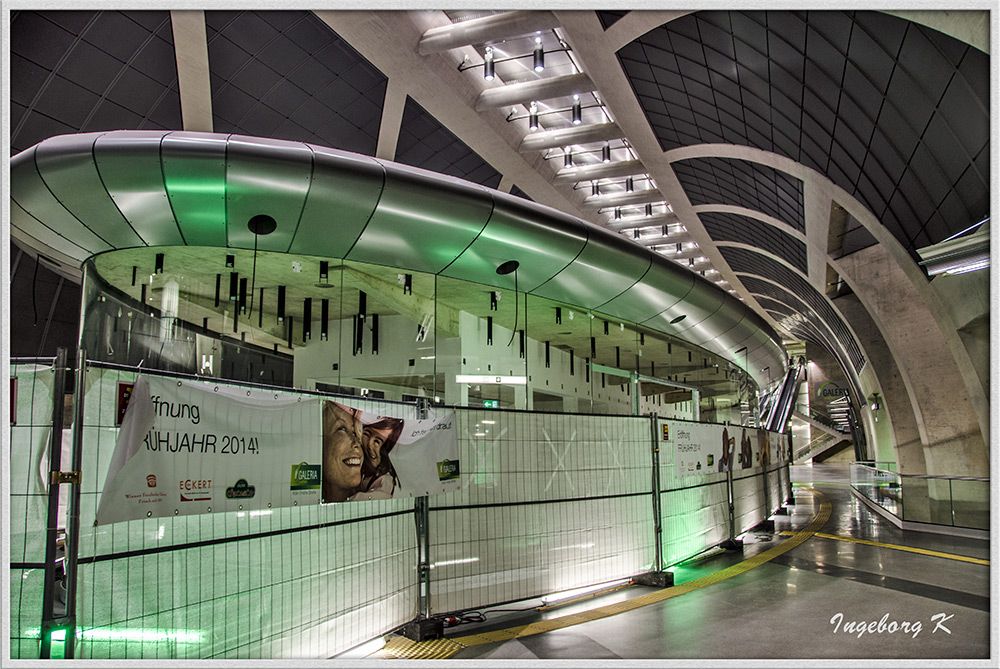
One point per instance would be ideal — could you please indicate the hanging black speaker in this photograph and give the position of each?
(281, 303)
(374, 334)
(307, 309)
(324, 326)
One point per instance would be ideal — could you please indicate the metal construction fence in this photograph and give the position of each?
(549, 502)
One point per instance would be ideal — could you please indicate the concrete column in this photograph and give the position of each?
(896, 400)
(946, 418)
(523, 397)
(392, 119)
(191, 51)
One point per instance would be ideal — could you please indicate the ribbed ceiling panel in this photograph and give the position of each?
(86, 71)
(895, 113)
(286, 75)
(744, 184)
(425, 143)
(744, 261)
(727, 227)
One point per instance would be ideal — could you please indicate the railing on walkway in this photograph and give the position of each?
(955, 501)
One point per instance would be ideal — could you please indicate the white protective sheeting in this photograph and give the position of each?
(299, 582)
(550, 502)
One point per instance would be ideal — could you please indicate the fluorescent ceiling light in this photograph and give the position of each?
(958, 255)
(478, 378)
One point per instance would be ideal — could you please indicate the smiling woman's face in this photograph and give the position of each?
(342, 455)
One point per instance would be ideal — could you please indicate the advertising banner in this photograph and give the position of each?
(697, 449)
(191, 448)
(702, 448)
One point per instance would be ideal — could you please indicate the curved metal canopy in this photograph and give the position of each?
(74, 196)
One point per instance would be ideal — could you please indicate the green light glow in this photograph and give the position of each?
(126, 634)
(180, 186)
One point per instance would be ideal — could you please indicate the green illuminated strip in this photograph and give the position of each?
(126, 634)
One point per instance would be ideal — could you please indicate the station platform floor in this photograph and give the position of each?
(830, 597)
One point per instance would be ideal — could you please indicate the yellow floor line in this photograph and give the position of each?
(897, 547)
(436, 649)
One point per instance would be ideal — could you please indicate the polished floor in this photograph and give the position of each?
(827, 598)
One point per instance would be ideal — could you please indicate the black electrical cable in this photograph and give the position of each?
(464, 618)
(514, 331)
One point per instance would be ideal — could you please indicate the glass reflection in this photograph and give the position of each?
(368, 330)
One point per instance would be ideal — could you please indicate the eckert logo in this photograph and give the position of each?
(830, 389)
(151, 480)
(240, 490)
(197, 490)
(447, 470)
(305, 477)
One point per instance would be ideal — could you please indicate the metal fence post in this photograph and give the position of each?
(790, 499)
(731, 543)
(49, 621)
(73, 529)
(657, 514)
(656, 577)
(424, 627)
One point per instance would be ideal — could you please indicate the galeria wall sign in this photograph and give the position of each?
(189, 448)
(830, 390)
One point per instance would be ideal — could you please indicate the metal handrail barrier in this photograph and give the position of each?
(922, 498)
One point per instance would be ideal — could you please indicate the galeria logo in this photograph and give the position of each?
(151, 480)
(305, 477)
(447, 470)
(240, 490)
(831, 389)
